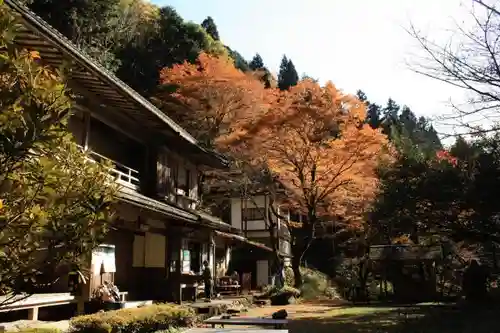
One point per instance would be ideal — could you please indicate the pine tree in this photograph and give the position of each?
(373, 115)
(210, 27)
(391, 110)
(361, 95)
(287, 76)
(256, 63)
(372, 110)
(390, 116)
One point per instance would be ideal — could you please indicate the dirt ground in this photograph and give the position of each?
(301, 310)
(323, 317)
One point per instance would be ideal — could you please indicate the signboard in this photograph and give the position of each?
(103, 257)
(186, 261)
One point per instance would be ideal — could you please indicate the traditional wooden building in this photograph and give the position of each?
(160, 237)
(410, 268)
(249, 211)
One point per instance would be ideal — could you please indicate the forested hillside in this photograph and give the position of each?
(136, 40)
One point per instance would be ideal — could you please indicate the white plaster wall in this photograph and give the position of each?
(237, 204)
(236, 213)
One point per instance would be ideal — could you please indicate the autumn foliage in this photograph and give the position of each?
(312, 139)
(315, 141)
(214, 94)
(445, 156)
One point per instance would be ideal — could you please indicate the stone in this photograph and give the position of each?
(281, 314)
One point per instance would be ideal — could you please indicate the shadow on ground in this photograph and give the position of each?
(413, 319)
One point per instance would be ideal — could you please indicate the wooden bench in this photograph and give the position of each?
(33, 302)
(247, 321)
(229, 289)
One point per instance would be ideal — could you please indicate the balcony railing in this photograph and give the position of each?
(123, 174)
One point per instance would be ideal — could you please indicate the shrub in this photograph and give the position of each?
(267, 290)
(289, 277)
(332, 293)
(271, 291)
(314, 283)
(284, 296)
(287, 290)
(158, 317)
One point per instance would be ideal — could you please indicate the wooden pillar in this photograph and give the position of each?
(33, 313)
(211, 252)
(174, 268)
(86, 130)
(80, 306)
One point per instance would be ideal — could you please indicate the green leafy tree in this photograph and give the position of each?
(54, 202)
(167, 41)
(239, 61)
(210, 27)
(90, 24)
(451, 197)
(308, 77)
(133, 38)
(287, 76)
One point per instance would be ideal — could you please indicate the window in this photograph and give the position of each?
(155, 248)
(164, 172)
(191, 257)
(252, 214)
(294, 217)
(183, 179)
(195, 250)
(149, 250)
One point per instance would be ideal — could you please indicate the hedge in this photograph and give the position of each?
(153, 318)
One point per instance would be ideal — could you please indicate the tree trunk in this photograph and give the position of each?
(275, 262)
(302, 238)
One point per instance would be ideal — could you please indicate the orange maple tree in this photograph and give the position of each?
(211, 98)
(212, 94)
(315, 141)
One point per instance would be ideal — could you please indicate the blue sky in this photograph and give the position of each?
(357, 44)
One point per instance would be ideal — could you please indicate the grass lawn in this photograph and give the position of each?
(428, 318)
